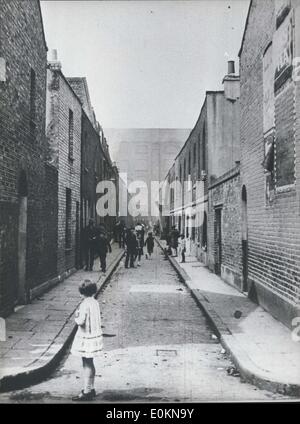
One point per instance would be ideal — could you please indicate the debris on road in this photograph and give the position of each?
(233, 372)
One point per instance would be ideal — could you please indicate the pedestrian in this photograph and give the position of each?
(131, 248)
(150, 245)
(174, 236)
(140, 251)
(89, 242)
(182, 248)
(103, 247)
(88, 341)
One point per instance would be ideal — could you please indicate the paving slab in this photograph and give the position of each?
(258, 344)
(39, 333)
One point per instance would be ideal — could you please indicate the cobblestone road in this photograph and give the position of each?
(158, 347)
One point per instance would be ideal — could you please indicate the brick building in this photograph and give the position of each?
(63, 130)
(28, 206)
(208, 159)
(270, 155)
(96, 163)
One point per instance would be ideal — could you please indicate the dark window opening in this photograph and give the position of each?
(68, 231)
(204, 231)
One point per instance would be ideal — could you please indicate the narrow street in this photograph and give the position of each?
(158, 347)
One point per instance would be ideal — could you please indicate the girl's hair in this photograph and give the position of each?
(88, 288)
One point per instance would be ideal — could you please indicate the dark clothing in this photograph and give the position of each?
(103, 246)
(174, 236)
(129, 257)
(131, 249)
(150, 244)
(89, 243)
(131, 242)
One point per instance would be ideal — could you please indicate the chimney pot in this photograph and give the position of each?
(231, 69)
(53, 55)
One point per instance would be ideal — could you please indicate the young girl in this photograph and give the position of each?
(88, 341)
(150, 245)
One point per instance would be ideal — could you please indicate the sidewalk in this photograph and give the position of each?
(38, 334)
(261, 347)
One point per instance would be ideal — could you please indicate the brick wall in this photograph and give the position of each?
(60, 100)
(22, 148)
(274, 228)
(226, 194)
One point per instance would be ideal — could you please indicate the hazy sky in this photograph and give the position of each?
(148, 63)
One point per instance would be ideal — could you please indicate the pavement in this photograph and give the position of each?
(261, 347)
(38, 334)
(158, 347)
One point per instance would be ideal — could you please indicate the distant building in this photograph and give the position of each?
(145, 154)
(28, 204)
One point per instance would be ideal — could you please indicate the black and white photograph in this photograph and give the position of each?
(149, 204)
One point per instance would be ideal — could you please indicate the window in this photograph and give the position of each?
(68, 231)
(190, 163)
(32, 102)
(195, 154)
(71, 135)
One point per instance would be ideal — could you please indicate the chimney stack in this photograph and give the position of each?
(231, 68)
(231, 83)
(53, 62)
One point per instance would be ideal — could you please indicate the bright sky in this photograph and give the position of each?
(147, 63)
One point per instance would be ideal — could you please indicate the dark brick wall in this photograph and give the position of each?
(273, 229)
(23, 151)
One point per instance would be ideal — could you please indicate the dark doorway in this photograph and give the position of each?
(245, 239)
(21, 291)
(77, 237)
(218, 240)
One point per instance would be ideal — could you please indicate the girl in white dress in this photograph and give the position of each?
(88, 341)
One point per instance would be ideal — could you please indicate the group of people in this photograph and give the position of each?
(96, 243)
(176, 244)
(134, 245)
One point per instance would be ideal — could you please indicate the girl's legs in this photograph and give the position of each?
(88, 374)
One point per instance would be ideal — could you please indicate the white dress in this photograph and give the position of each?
(88, 340)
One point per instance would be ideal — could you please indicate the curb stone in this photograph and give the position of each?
(249, 372)
(46, 364)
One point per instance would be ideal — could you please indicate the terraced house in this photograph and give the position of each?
(28, 205)
(270, 155)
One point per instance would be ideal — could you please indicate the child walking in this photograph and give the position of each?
(150, 245)
(88, 342)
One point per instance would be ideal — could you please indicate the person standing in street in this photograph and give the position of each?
(131, 248)
(140, 251)
(89, 240)
(174, 240)
(182, 248)
(150, 245)
(88, 340)
(103, 247)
